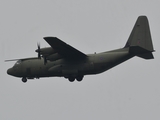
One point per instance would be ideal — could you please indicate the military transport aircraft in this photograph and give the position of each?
(62, 60)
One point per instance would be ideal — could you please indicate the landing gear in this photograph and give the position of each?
(79, 78)
(24, 79)
(71, 79)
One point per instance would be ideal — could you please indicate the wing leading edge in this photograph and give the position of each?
(64, 49)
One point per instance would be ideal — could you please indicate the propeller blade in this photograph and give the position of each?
(39, 50)
(45, 60)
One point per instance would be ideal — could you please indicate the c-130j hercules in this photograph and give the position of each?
(62, 60)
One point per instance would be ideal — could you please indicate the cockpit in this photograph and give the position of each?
(18, 62)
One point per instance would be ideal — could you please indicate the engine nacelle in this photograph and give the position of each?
(54, 57)
(46, 51)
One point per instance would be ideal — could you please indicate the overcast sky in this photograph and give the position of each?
(127, 92)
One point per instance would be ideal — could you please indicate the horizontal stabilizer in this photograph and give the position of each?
(141, 52)
(146, 56)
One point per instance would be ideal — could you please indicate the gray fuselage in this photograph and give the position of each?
(92, 64)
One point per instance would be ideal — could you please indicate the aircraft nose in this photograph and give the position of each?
(10, 71)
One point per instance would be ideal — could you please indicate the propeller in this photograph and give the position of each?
(38, 50)
(39, 54)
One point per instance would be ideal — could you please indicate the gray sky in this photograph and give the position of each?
(127, 92)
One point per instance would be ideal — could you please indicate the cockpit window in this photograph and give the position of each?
(18, 62)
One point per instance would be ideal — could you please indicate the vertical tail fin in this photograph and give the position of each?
(140, 41)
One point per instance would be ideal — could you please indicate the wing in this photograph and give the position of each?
(64, 49)
(23, 59)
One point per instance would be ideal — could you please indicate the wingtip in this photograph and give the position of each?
(46, 38)
(11, 60)
(49, 37)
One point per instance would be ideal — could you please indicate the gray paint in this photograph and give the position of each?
(125, 92)
(66, 61)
